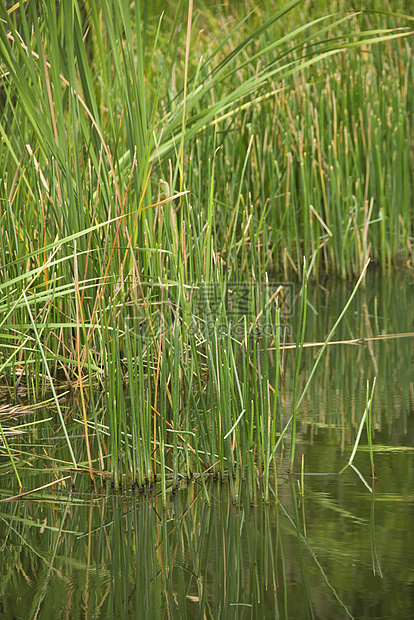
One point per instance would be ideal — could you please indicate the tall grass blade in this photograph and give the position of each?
(298, 357)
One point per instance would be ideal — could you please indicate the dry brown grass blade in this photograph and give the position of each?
(21, 495)
(358, 341)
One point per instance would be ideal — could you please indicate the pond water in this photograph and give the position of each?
(326, 546)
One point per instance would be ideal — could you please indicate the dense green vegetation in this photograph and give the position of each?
(160, 172)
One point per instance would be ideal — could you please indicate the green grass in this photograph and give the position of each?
(152, 165)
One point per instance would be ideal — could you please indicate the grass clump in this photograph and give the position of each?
(157, 171)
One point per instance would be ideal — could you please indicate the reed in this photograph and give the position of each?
(365, 421)
(151, 176)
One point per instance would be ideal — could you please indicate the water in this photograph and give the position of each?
(324, 547)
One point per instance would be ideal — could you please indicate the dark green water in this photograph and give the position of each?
(339, 550)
